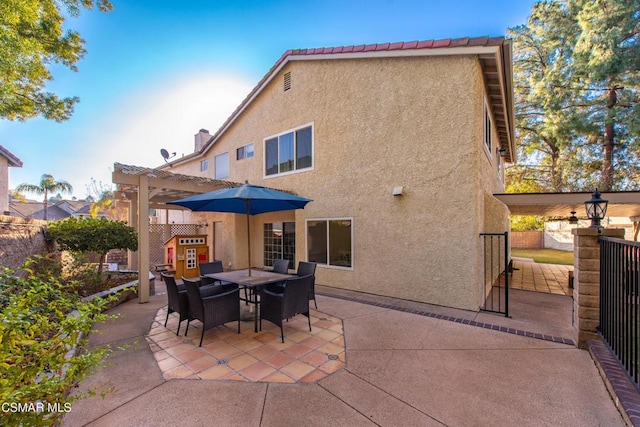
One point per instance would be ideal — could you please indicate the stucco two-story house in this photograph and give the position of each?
(400, 146)
(7, 160)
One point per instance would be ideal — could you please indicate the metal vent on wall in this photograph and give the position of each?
(287, 81)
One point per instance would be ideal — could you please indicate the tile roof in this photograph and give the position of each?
(13, 160)
(412, 45)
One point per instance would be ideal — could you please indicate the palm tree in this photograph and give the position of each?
(47, 185)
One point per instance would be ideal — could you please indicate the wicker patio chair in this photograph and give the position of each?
(212, 306)
(178, 300)
(211, 268)
(276, 307)
(309, 269)
(279, 266)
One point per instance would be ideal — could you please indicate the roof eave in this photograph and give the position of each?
(12, 159)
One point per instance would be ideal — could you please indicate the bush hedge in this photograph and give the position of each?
(41, 325)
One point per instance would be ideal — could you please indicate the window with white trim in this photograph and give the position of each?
(244, 152)
(330, 242)
(222, 166)
(289, 152)
(204, 165)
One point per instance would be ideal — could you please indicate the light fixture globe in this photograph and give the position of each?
(596, 209)
(573, 219)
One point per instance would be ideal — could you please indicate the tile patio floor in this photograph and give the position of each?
(304, 357)
(546, 278)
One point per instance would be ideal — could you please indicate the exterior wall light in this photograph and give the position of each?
(596, 209)
(573, 219)
(503, 152)
(398, 191)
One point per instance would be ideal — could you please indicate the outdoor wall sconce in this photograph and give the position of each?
(503, 152)
(398, 191)
(596, 209)
(573, 219)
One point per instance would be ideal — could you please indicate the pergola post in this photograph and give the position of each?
(143, 239)
(133, 221)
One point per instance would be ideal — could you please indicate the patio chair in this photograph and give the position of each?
(211, 268)
(178, 300)
(212, 306)
(294, 300)
(279, 266)
(306, 269)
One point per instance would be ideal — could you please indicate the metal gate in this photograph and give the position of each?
(620, 302)
(496, 266)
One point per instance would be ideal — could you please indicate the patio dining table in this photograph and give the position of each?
(253, 283)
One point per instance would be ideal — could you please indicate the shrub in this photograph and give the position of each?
(82, 235)
(526, 223)
(40, 323)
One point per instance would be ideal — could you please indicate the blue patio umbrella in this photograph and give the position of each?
(245, 199)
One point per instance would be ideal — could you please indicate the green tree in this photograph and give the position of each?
(607, 58)
(99, 235)
(101, 198)
(47, 185)
(32, 38)
(544, 123)
(576, 73)
(17, 196)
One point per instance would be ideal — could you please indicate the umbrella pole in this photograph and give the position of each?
(249, 237)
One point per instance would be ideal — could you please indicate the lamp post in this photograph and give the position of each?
(596, 209)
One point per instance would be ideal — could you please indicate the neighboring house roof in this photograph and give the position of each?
(24, 209)
(13, 160)
(494, 54)
(56, 211)
(73, 206)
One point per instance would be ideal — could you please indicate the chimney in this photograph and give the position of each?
(201, 139)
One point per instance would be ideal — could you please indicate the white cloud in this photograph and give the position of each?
(161, 115)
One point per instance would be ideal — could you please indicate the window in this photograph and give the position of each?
(222, 166)
(330, 242)
(280, 242)
(487, 129)
(204, 165)
(244, 152)
(289, 152)
(191, 259)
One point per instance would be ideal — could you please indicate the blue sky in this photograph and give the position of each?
(158, 71)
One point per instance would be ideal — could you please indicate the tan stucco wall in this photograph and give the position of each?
(4, 185)
(380, 123)
(493, 216)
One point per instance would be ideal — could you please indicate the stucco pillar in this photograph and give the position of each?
(586, 281)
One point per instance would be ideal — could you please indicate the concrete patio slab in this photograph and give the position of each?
(401, 369)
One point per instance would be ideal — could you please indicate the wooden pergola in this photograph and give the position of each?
(144, 188)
